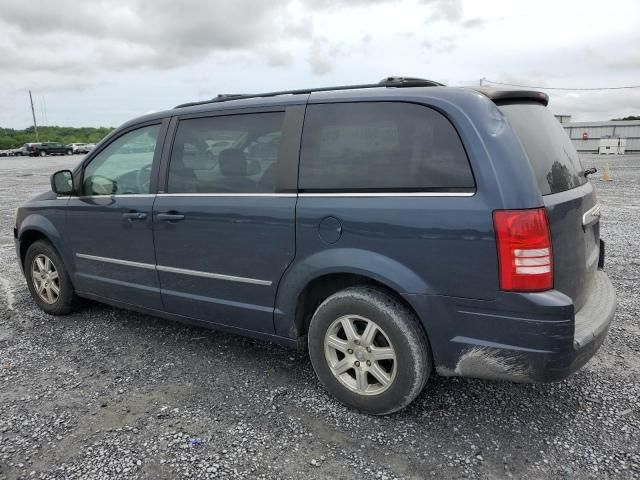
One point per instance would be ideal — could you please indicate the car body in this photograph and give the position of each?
(454, 223)
(85, 148)
(28, 149)
(50, 148)
(76, 147)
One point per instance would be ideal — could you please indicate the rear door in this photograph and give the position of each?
(570, 198)
(224, 227)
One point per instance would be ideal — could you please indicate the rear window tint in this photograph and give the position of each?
(381, 146)
(553, 158)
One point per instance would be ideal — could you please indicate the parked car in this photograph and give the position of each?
(75, 147)
(29, 149)
(407, 228)
(50, 148)
(86, 148)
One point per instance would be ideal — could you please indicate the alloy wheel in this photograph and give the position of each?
(46, 280)
(360, 355)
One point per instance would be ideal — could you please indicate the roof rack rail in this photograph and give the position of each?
(397, 82)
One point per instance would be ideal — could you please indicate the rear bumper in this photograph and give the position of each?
(534, 337)
(591, 325)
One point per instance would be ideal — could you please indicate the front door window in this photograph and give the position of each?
(124, 167)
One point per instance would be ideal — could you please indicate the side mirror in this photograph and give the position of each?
(62, 182)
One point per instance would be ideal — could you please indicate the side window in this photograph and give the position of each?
(124, 167)
(226, 154)
(381, 146)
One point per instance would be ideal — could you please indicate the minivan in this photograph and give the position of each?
(396, 230)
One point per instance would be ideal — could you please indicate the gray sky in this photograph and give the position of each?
(102, 62)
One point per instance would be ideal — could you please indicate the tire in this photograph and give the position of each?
(68, 152)
(66, 300)
(43, 153)
(398, 333)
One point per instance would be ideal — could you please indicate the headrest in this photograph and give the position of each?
(233, 163)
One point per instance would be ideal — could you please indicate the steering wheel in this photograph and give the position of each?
(143, 179)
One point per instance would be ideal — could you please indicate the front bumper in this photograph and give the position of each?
(535, 337)
(17, 243)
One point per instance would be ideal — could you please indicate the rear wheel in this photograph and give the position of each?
(68, 152)
(48, 280)
(43, 153)
(369, 350)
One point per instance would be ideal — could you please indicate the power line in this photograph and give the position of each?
(557, 88)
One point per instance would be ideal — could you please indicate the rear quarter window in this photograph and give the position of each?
(381, 146)
(552, 156)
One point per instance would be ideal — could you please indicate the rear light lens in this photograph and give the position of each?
(525, 259)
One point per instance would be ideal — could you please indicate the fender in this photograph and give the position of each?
(43, 225)
(375, 266)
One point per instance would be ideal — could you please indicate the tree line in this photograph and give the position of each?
(630, 117)
(11, 138)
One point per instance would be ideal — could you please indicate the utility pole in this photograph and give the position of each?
(33, 113)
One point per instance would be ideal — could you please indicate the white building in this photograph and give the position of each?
(586, 135)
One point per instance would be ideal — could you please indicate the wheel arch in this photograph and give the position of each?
(306, 284)
(38, 227)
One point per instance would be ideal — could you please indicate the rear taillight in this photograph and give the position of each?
(525, 259)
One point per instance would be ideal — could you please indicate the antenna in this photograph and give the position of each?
(33, 114)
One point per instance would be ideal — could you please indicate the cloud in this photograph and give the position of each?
(591, 104)
(117, 35)
(474, 22)
(324, 4)
(140, 33)
(129, 56)
(322, 55)
(622, 54)
(278, 58)
(446, 44)
(624, 60)
(61, 84)
(447, 10)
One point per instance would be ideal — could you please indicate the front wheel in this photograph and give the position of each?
(43, 153)
(68, 152)
(369, 350)
(48, 280)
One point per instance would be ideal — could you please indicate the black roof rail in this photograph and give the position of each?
(397, 82)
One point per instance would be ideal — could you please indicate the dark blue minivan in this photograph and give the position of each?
(396, 229)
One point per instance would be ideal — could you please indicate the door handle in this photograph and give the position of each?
(134, 216)
(170, 217)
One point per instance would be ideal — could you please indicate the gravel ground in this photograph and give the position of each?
(106, 393)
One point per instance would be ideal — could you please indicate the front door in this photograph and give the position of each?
(110, 223)
(225, 228)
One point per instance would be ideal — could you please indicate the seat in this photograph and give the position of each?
(268, 180)
(182, 179)
(233, 167)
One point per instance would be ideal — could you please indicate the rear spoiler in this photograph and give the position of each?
(504, 95)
